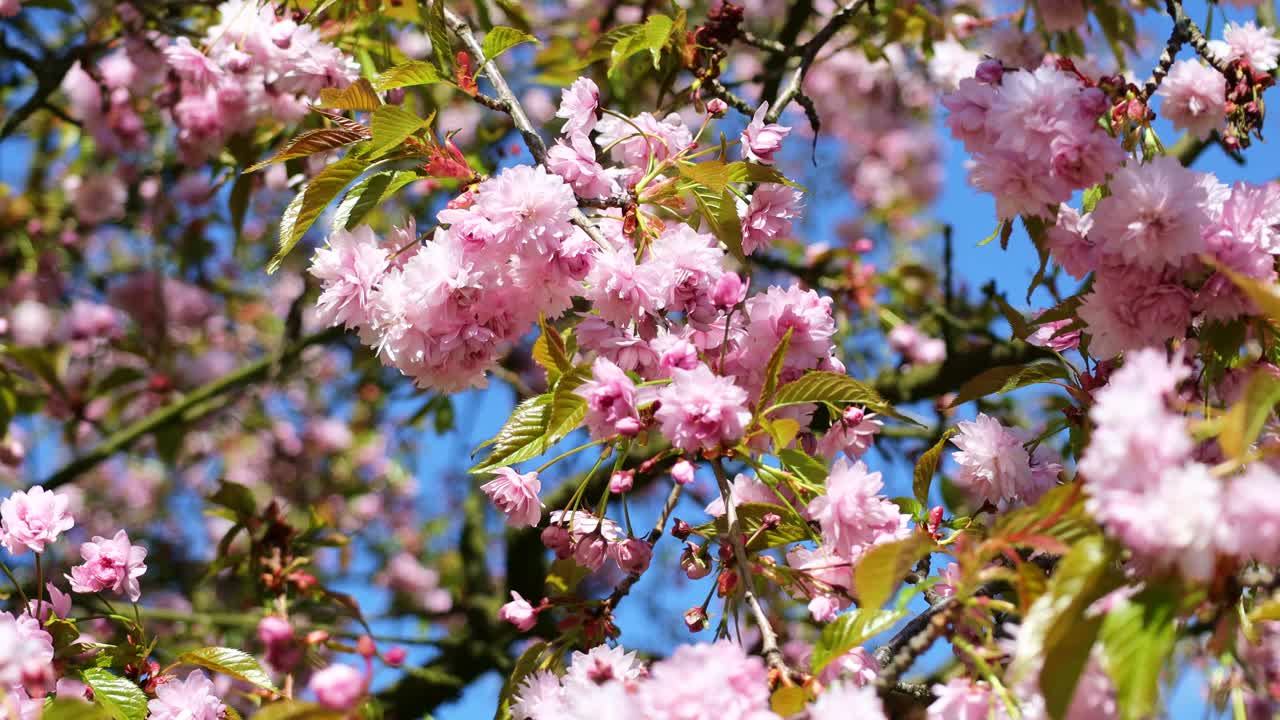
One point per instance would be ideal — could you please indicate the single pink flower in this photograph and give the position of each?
(519, 612)
(761, 141)
(338, 687)
(31, 519)
(113, 564)
(516, 495)
(194, 698)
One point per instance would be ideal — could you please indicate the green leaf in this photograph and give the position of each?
(69, 709)
(1091, 197)
(721, 213)
(1138, 639)
(230, 662)
(439, 34)
(1056, 629)
(849, 631)
(235, 497)
(881, 570)
(773, 369)
(369, 193)
(549, 349)
(501, 39)
(530, 661)
(310, 201)
(1059, 515)
(927, 465)
(807, 467)
(296, 710)
(751, 519)
(391, 124)
(312, 142)
(1006, 378)
(1243, 421)
(121, 699)
(568, 408)
(825, 386)
(359, 95)
(716, 175)
(521, 437)
(8, 408)
(409, 74)
(633, 39)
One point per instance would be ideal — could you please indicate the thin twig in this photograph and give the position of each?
(652, 538)
(532, 140)
(768, 638)
(808, 55)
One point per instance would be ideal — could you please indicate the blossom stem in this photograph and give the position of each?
(16, 585)
(768, 638)
(565, 454)
(39, 582)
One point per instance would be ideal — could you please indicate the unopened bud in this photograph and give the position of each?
(680, 529)
(682, 472)
(621, 482)
(989, 72)
(694, 562)
(717, 107)
(366, 647)
(695, 619)
(395, 656)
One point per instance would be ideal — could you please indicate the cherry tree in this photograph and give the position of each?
(273, 271)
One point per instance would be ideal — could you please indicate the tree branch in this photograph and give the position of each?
(768, 638)
(180, 410)
(809, 53)
(532, 140)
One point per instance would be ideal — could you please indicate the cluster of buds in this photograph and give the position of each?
(1245, 108)
(708, 44)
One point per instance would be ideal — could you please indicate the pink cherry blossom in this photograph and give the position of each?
(578, 106)
(762, 140)
(707, 682)
(31, 519)
(194, 698)
(853, 514)
(963, 699)
(744, 489)
(110, 564)
(1248, 41)
(611, 401)
(26, 650)
(856, 667)
(1132, 307)
(768, 217)
(847, 701)
(575, 161)
(996, 468)
(702, 411)
(632, 555)
(338, 687)
(852, 434)
(516, 495)
(1153, 215)
(1194, 98)
(348, 268)
(518, 612)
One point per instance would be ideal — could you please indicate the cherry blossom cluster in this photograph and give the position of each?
(1034, 135)
(705, 681)
(32, 521)
(1154, 489)
(255, 63)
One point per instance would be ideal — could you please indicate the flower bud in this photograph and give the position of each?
(338, 687)
(317, 637)
(632, 555)
(682, 472)
(680, 529)
(717, 107)
(694, 562)
(729, 290)
(12, 453)
(621, 482)
(557, 538)
(695, 619)
(395, 656)
(366, 647)
(989, 72)
(590, 552)
(823, 608)
(274, 631)
(519, 612)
